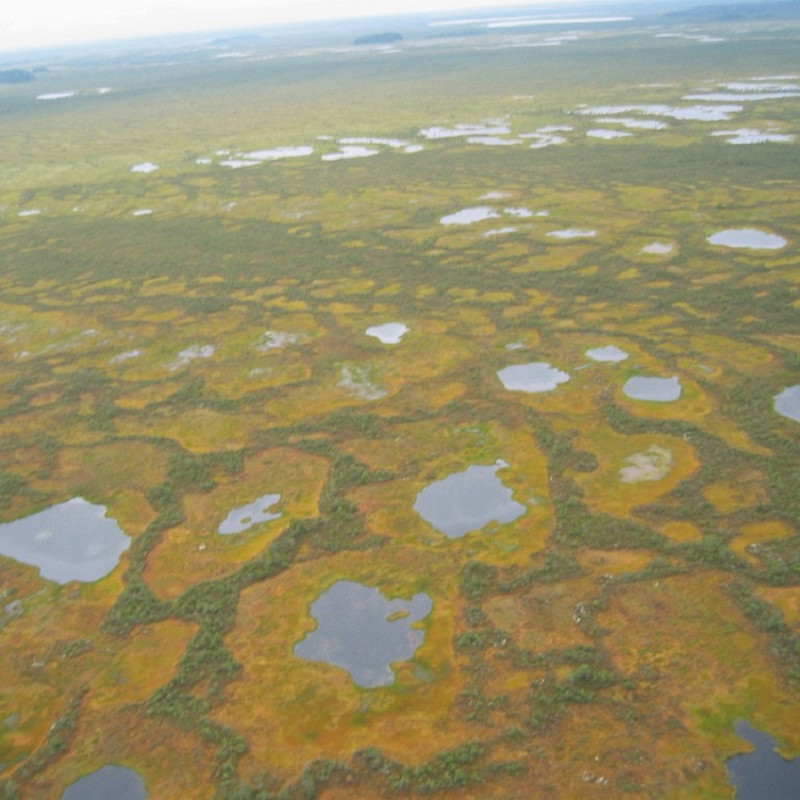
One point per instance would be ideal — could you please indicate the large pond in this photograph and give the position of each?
(763, 774)
(538, 376)
(787, 402)
(749, 238)
(657, 390)
(72, 541)
(109, 782)
(467, 501)
(363, 632)
(243, 518)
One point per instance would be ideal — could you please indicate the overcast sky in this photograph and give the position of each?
(34, 23)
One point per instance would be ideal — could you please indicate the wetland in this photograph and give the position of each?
(378, 421)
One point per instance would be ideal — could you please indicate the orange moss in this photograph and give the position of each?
(298, 710)
(199, 430)
(622, 481)
(703, 657)
(194, 551)
(743, 491)
(756, 532)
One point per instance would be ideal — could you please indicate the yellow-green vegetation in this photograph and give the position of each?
(181, 341)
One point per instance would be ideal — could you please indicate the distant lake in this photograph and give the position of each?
(72, 541)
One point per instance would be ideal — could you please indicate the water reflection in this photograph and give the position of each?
(363, 632)
(389, 332)
(72, 541)
(750, 238)
(243, 518)
(763, 774)
(658, 390)
(610, 354)
(109, 782)
(467, 501)
(787, 403)
(537, 376)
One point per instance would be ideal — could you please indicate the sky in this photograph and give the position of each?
(28, 24)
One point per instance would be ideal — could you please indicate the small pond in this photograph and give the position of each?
(750, 238)
(753, 136)
(605, 133)
(243, 518)
(469, 215)
(657, 390)
(657, 249)
(467, 501)
(537, 376)
(55, 95)
(572, 233)
(111, 781)
(610, 354)
(351, 151)
(389, 332)
(787, 402)
(763, 774)
(363, 632)
(279, 152)
(400, 144)
(72, 541)
(465, 129)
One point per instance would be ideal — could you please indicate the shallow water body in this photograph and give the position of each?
(71, 541)
(538, 376)
(467, 501)
(572, 233)
(108, 783)
(787, 403)
(469, 215)
(243, 518)
(610, 354)
(389, 332)
(750, 238)
(363, 632)
(658, 390)
(763, 774)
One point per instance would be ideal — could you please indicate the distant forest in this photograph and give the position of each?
(378, 38)
(15, 76)
(730, 12)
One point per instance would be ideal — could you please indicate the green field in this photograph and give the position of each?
(181, 339)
